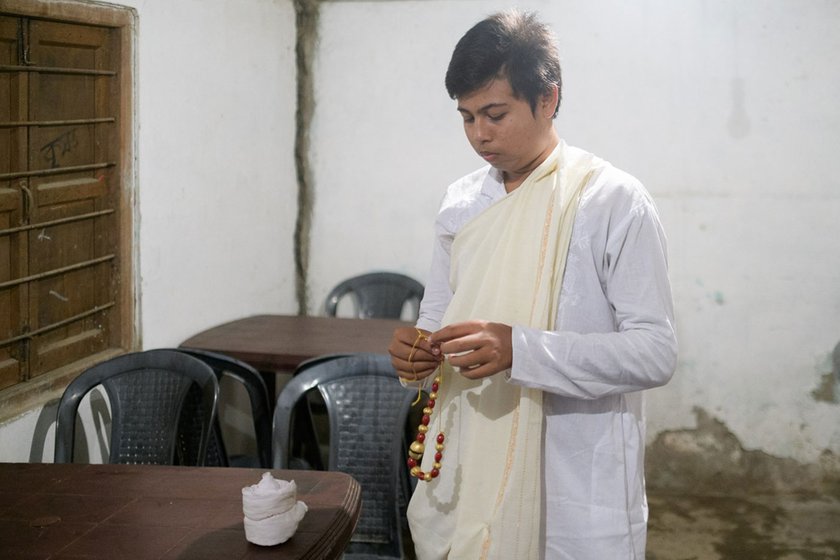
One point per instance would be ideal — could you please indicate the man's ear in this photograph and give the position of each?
(548, 101)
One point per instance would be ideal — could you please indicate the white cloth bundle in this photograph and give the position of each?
(272, 511)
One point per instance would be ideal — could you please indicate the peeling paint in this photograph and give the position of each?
(835, 361)
(783, 526)
(825, 392)
(829, 388)
(710, 459)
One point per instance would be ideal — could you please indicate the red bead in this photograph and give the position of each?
(434, 473)
(421, 437)
(440, 438)
(425, 420)
(438, 457)
(431, 403)
(411, 462)
(435, 387)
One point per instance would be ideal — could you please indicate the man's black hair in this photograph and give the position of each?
(510, 44)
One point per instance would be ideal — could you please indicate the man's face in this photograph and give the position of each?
(503, 130)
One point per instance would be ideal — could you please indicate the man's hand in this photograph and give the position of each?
(412, 355)
(479, 348)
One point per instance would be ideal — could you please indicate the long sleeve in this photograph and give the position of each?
(615, 323)
(437, 292)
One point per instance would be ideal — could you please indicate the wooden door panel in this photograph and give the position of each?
(10, 200)
(57, 349)
(56, 97)
(64, 296)
(13, 141)
(68, 45)
(8, 40)
(12, 366)
(62, 146)
(60, 96)
(59, 200)
(9, 87)
(67, 299)
(68, 295)
(63, 244)
(57, 298)
(13, 101)
(52, 193)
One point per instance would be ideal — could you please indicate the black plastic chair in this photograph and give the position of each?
(227, 366)
(310, 424)
(147, 391)
(380, 295)
(367, 409)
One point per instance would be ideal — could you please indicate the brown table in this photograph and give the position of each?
(281, 342)
(142, 512)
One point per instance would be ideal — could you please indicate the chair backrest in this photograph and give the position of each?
(251, 379)
(146, 391)
(380, 295)
(308, 423)
(367, 408)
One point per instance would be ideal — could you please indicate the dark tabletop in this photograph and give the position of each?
(281, 342)
(56, 512)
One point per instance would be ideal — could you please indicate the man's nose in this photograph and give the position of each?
(481, 131)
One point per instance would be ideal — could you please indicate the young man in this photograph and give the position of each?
(547, 311)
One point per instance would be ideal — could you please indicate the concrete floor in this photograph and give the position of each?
(772, 527)
(777, 527)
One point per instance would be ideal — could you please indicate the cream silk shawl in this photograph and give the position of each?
(507, 266)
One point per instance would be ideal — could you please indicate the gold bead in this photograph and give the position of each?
(415, 456)
(439, 446)
(433, 395)
(427, 410)
(436, 465)
(427, 477)
(418, 447)
(422, 429)
(415, 471)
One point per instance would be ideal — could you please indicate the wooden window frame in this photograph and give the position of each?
(37, 392)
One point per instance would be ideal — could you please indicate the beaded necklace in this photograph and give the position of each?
(418, 446)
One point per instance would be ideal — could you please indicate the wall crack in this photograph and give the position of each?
(307, 13)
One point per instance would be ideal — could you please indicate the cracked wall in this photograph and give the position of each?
(306, 17)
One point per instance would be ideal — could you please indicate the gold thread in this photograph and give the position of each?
(420, 336)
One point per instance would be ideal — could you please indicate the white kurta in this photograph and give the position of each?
(614, 337)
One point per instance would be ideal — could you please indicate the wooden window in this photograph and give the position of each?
(66, 286)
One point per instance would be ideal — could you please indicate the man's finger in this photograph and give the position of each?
(455, 330)
(466, 343)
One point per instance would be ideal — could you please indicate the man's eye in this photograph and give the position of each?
(468, 120)
(497, 118)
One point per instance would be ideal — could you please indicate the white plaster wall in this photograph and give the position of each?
(726, 110)
(215, 188)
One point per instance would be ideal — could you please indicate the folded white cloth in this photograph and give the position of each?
(272, 511)
(270, 497)
(275, 529)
